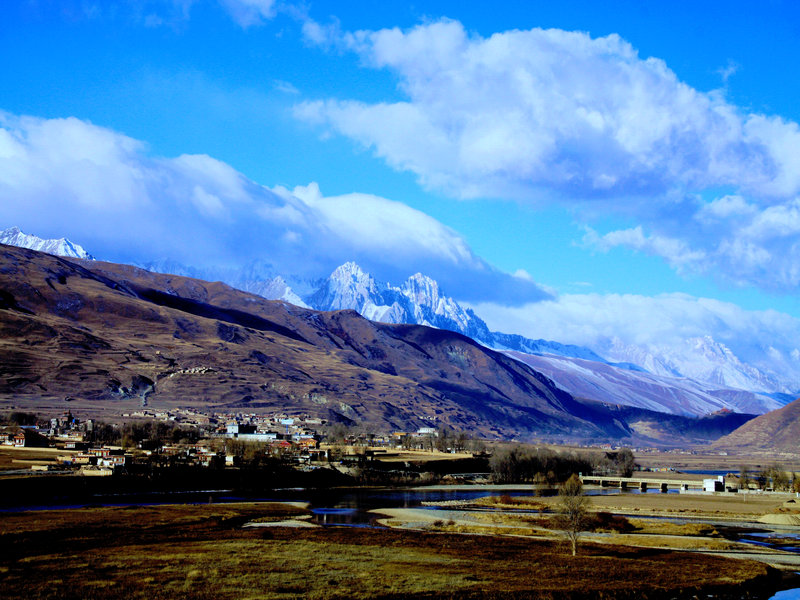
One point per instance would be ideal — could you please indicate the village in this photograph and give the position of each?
(188, 438)
(184, 438)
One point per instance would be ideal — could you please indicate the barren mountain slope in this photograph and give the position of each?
(107, 337)
(776, 431)
(104, 333)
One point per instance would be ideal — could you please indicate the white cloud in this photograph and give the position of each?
(249, 12)
(67, 177)
(285, 87)
(377, 224)
(679, 255)
(396, 240)
(523, 274)
(728, 71)
(775, 221)
(767, 339)
(325, 35)
(557, 116)
(172, 13)
(724, 207)
(90, 167)
(524, 109)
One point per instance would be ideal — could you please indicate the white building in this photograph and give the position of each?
(714, 485)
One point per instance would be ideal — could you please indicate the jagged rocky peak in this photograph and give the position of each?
(351, 272)
(348, 287)
(703, 359)
(13, 236)
(422, 290)
(273, 289)
(352, 278)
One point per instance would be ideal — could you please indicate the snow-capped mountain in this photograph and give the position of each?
(273, 289)
(420, 301)
(417, 300)
(257, 277)
(698, 377)
(60, 247)
(677, 395)
(702, 359)
(695, 376)
(512, 341)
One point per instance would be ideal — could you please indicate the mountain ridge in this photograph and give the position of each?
(13, 236)
(718, 373)
(775, 432)
(105, 337)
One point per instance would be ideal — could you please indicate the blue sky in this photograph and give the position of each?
(538, 149)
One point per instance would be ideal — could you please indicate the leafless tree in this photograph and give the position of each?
(573, 510)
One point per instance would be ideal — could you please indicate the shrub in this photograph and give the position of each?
(605, 521)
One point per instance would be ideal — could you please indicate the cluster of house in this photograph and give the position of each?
(23, 437)
(95, 461)
(292, 437)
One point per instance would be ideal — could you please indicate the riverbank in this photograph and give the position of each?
(722, 524)
(204, 551)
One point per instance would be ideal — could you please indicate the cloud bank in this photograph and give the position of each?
(67, 177)
(766, 339)
(558, 116)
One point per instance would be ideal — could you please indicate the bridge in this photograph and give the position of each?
(642, 483)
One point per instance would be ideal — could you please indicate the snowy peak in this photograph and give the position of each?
(351, 274)
(699, 358)
(614, 385)
(430, 307)
(273, 289)
(13, 236)
(422, 290)
(695, 376)
(418, 300)
(348, 287)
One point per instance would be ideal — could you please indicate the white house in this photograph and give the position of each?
(714, 485)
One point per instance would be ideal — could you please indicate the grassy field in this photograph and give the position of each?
(703, 459)
(203, 552)
(728, 506)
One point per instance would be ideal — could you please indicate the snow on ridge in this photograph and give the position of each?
(677, 395)
(13, 236)
(700, 358)
(419, 299)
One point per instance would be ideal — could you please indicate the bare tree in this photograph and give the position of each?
(573, 509)
(744, 481)
(626, 462)
(744, 477)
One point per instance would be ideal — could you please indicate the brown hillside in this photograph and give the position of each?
(776, 431)
(111, 335)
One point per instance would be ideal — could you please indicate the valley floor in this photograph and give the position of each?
(205, 551)
(712, 523)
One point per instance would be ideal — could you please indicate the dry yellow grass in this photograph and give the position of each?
(647, 526)
(672, 542)
(511, 502)
(202, 552)
(732, 506)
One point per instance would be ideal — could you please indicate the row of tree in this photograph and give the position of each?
(19, 417)
(148, 435)
(541, 465)
(773, 477)
(443, 440)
